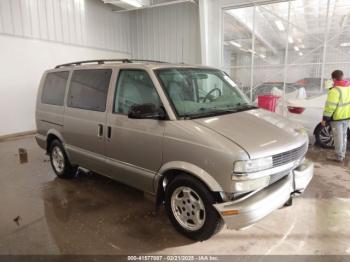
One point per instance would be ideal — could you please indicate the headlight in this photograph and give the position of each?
(253, 165)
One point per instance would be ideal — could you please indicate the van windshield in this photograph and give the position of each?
(202, 92)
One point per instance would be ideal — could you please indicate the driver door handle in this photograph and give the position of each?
(109, 132)
(100, 130)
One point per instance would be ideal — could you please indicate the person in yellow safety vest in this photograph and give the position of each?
(337, 113)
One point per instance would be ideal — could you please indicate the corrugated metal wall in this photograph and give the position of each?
(169, 33)
(87, 23)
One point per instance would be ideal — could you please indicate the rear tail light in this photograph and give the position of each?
(302, 82)
(295, 110)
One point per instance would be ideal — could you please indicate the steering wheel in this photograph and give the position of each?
(211, 91)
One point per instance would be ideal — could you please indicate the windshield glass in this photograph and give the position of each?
(202, 92)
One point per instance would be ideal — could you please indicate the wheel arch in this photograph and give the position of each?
(53, 134)
(169, 171)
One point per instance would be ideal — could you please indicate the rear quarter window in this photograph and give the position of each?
(89, 88)
(55, 88)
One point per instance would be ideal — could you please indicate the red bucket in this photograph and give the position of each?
(268, 102)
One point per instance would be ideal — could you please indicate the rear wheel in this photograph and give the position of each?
(60, 162)
(324, 136)
(189, 205)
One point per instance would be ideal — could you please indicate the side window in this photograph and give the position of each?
(89, 88)
(134, 87)
(54, 88)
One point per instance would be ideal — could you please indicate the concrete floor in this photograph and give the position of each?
(95, 215)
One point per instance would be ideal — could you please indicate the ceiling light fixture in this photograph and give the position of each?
(301, 53)
(262, 56)
(296, 48)
(345, 44)
(290, 40)
(244, 50)
(252, 51)
(134, 3)
(280, 25)
(235, 44)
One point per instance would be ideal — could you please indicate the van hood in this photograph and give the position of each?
(259, 132)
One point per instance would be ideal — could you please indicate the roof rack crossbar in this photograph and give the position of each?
(103, 61)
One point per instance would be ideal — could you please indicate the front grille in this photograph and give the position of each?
(276, 177)
(289, 156)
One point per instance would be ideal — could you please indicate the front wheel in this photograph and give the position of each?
(189, 205)
(324, 136)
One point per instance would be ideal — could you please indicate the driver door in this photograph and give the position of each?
(134, 146)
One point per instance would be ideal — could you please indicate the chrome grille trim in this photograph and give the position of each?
(289, 156)
(276, 177)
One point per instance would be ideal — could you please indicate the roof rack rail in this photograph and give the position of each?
(100, 61)
(103, 61)
(147, 60)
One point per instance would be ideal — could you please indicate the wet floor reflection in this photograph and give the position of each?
(331, 179)
(95, 211)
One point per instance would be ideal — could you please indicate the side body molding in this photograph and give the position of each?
(191, 169)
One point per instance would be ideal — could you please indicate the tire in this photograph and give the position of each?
(324, 136)
(186, 197)
(59, 161)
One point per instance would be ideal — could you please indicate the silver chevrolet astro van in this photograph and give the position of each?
(184, 133)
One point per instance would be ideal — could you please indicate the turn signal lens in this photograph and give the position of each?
(251, 185)
(230, 212)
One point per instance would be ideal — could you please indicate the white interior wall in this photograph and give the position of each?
(36, 35)
(23, 61)
(169, 33)
(88, 23)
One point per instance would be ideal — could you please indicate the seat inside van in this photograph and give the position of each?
(135, 89)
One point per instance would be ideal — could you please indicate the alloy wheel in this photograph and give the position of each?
(58, 159)
(188, 208)
(326, 136)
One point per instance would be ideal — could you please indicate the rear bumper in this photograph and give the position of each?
(248, 211)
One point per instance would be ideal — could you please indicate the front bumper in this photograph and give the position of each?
(248, 210)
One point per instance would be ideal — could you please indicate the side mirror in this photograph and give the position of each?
(146, 111)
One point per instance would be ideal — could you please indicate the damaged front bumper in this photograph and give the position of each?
(247, 211)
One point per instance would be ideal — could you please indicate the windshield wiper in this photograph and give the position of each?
(243, 107)
(237, 108)
(220, 111)
(204, 113)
